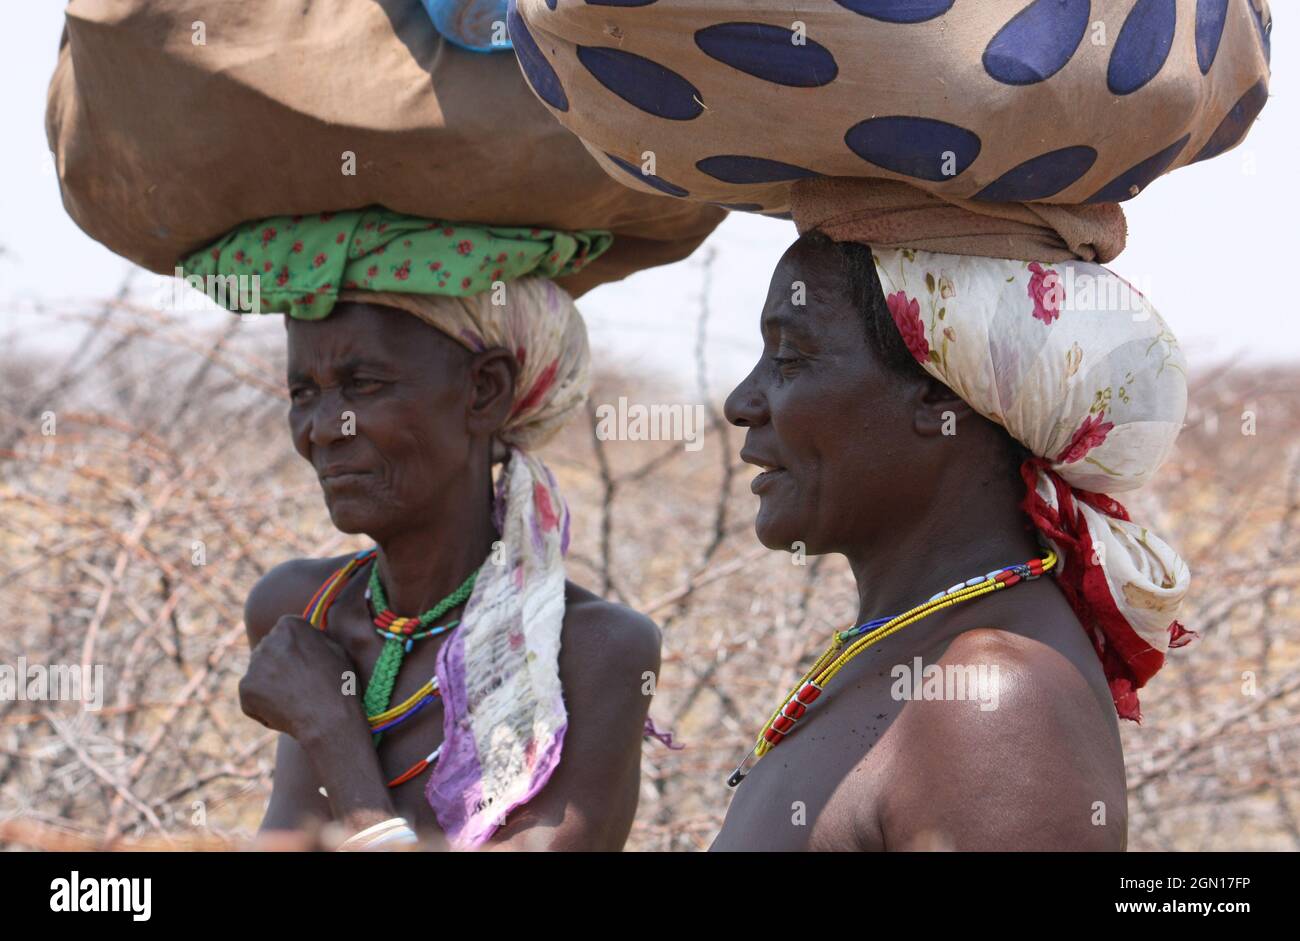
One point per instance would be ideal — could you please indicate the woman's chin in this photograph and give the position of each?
(350, 518)
(775, 532)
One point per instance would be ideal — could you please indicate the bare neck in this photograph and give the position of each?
(970, 528)
(424, 562)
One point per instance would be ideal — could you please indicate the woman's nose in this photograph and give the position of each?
(746, 405)
(329, 419)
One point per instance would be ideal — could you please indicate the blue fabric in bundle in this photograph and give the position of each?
(477, 25)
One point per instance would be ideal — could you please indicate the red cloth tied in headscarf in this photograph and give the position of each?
(1079, 368)
(1129, 661)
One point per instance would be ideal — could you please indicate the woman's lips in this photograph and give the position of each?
(765, 480)
(770, 470)
(343, 479)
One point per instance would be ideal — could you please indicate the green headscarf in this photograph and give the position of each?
(303, 262)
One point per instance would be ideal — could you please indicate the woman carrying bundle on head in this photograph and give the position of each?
(951, 384)
(446, 681)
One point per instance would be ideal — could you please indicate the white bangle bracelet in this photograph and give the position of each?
(394, 832)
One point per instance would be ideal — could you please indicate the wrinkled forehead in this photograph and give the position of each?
(809, 290)
(355, 332)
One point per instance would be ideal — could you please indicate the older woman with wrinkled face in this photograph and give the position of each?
(950, 424)
(448, 682)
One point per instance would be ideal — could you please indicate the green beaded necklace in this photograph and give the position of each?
(400, 634)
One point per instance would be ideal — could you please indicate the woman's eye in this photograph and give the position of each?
(365, 385)
(299, 395)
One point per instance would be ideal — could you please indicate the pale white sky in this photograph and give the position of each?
(1216, 242)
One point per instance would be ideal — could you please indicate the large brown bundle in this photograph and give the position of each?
(982, 103)
(172, 121)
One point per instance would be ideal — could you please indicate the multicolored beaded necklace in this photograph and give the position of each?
(846, 645)
(400, 634)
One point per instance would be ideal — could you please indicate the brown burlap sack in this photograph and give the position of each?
(172, 121)
(981, 107)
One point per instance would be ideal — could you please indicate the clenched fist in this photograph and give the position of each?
(295, 681)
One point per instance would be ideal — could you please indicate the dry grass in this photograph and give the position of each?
(170, 445)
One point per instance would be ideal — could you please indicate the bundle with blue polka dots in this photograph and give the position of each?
(1070, 102)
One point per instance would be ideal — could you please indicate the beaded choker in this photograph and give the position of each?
(846, 645)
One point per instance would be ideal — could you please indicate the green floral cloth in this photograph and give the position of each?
(303, 262)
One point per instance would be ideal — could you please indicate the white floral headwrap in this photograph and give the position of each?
(1080, 369)
(504, 717)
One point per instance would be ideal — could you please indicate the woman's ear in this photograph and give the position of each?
(939, 410)
(492, 376)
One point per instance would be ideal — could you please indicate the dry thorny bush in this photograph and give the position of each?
(171, 448)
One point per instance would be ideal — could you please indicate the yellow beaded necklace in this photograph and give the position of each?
(846, 645)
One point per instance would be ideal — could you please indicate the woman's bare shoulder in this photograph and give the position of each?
(607, 633)
(285, 589)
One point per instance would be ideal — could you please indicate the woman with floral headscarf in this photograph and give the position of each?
(952, 387)
(957, 420)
